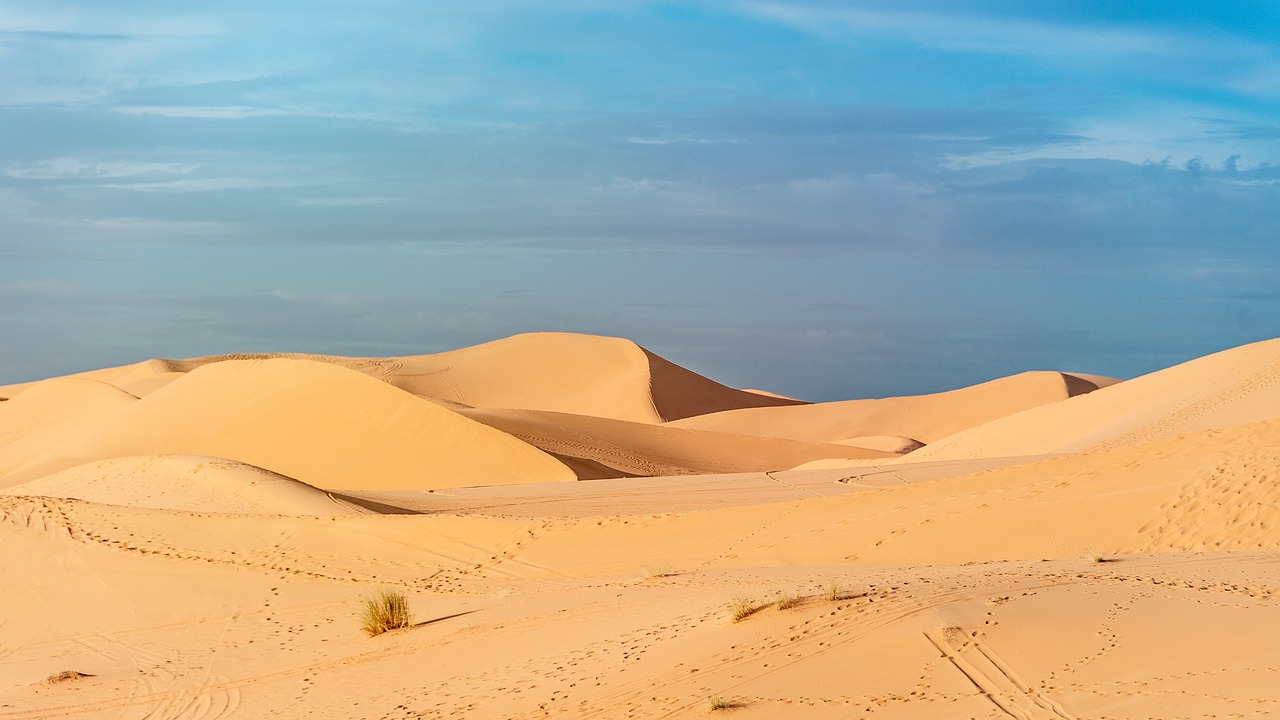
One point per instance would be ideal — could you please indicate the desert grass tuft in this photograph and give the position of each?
(659, 570)
(715, 702)
(1098, 558)
(833, 592)
(745, 607)
(385, 610)
(786, 601)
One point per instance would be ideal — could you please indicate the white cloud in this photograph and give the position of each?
(69, 168)
(1159, 133)
(216, 112)
(205, 185)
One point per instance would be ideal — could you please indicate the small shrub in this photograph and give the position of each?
(386, 610)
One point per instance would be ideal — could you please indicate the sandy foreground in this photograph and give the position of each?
(576, 522)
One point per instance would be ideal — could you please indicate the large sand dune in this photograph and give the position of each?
(1117, 559)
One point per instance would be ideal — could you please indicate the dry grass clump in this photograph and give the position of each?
(788, 600)
(715, 702)
(659, 570)
(386, 610)
(745, 607)
(834, 593)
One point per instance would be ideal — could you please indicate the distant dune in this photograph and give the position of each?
(924, 418)
(583, 530)
(1224, 389)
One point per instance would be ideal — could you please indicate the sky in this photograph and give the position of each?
(824, 199)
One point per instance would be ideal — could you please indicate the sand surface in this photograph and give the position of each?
(194, 539)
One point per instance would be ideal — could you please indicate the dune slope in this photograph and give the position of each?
(605, 448)
(51, 412)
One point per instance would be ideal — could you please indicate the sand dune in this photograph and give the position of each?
(185, 482)
(1227, 388)
(1108, 555)
(570, 373)
(324, 425)
(605, 448)
(923, 418)
(49, 413)
(560, 372)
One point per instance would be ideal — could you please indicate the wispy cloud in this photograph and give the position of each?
(214, 112)
(961, 31)
(683, 140)
(69, 168)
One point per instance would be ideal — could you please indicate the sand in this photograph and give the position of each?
(187, 548)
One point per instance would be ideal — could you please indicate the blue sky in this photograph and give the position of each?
(825, 199)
